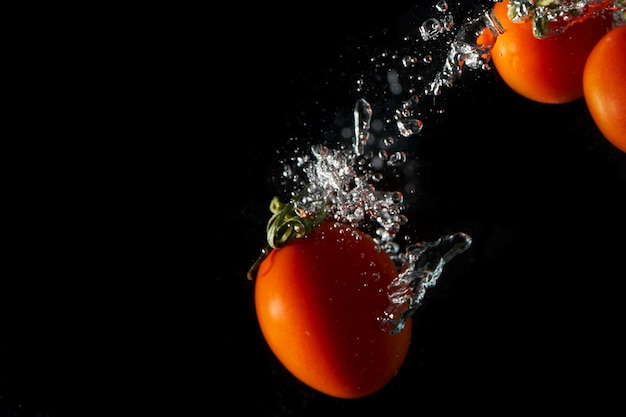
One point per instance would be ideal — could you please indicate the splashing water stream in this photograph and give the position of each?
(342, 183)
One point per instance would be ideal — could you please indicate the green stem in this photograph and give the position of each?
(285, 225)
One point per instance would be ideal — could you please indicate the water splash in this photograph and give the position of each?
(446, 44)
(466, 51)
(344, 181)
(553, 17)
(341, 182)
(424, 263)
(549, 17)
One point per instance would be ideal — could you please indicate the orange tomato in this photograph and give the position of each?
(604, 86)
(319, 300)
(548, 70)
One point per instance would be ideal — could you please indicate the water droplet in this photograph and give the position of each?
(397, 158)
(362, 118)
(389, 141)
(448, 22)
(430, 29)
(409, 61)
(442, 6)
(409, 127)
(377, 177)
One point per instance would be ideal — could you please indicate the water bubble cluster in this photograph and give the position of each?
(435, 58)
(465, 51)
(342, 182)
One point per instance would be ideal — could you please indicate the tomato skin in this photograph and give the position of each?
(547, 70)
(604, 85)
(318, 302)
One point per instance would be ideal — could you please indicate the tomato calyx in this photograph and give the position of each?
(285, 224)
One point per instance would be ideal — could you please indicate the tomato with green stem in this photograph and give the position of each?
(547, 69)
(320, 299)
(604, 86)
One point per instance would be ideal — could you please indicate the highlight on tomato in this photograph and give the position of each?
(604, 86)
(541, 65)
(319, 301)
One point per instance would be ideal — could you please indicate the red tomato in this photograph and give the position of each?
(604, 85)
(319, 300)
(547, 70)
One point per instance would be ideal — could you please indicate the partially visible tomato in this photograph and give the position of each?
(604, 84)
(319, 300)
(546, 70)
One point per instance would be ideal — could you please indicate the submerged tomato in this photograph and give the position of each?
(547, 70)
(604, 83)
(319, 300)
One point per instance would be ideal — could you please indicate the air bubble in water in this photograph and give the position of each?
(397, 158)
(442, 5)
(409, 61)
(430, 29)
(362, 118)
(409, 127)
(389, 141)
(448, 22)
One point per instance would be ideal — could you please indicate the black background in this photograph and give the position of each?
(127, 290)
